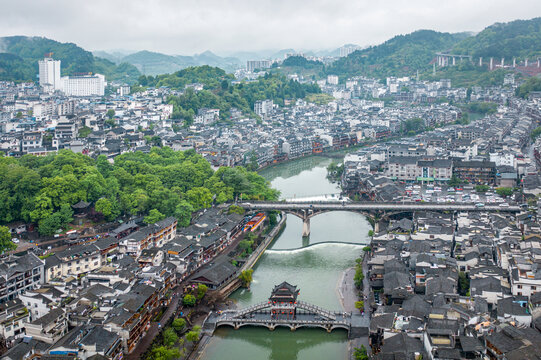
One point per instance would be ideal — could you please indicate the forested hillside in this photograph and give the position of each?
(516, 39)
(20, 55)
(402, 55)
(42, 189)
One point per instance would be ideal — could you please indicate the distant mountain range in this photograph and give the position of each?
(154, 63)
(403, 55)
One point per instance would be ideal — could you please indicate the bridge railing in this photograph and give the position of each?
(416, 203)
(288, 322)
(316, 309)
(368, 205)
(251, 309)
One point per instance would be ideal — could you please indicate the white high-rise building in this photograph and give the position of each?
(84, 85)
(49, 74)
(252, 65)
(263, 107)
(332, 80)
(348, 49)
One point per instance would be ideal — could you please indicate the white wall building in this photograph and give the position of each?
(503, 159)
(252, 65)
(85, 85)
(263, 107)
(348, 49)
(332, 79)
(49, 74)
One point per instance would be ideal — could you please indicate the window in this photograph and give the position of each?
(519, 286)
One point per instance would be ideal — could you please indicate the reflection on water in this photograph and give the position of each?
(280, 344)
(295, 167)
(336, 226)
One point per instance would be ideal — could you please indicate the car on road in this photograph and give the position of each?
(480, 205)
(504, 204)
(15, 240)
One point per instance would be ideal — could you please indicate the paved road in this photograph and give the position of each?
(348, 296)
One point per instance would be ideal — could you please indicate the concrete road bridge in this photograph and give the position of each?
(308, 209)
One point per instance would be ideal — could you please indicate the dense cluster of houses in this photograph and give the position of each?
(98, 297)
(491, 151)
(36, 122)
(456, 287)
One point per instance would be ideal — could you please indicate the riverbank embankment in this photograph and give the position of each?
(349, 295)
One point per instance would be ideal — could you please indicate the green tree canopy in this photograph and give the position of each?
(173, 183)
(504, 191)
(5, 240)
(154, 216)
(246, 277)
(179, 324)
(170, 337)
(201, 291)
(189, 300)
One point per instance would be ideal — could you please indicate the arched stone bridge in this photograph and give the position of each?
(309, 209)
(307, 315)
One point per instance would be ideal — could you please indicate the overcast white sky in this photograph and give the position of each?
(224, 26)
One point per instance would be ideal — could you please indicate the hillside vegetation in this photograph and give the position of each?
(163, 183)
(402, 55)
(519, 39)
(19, 60)
(220, 93)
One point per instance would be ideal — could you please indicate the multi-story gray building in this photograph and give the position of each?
(18, 274)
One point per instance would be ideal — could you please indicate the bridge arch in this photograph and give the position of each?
(305, 215)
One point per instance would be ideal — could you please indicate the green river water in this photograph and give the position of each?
(315, 265)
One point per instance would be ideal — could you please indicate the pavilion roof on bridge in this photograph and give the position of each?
(285, 292)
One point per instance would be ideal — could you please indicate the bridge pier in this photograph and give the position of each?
(305, 226)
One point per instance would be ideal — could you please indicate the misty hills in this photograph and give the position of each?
(154, 63)
(19, 57)
(403, 55)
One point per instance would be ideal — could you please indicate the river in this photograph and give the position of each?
(314, 264)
